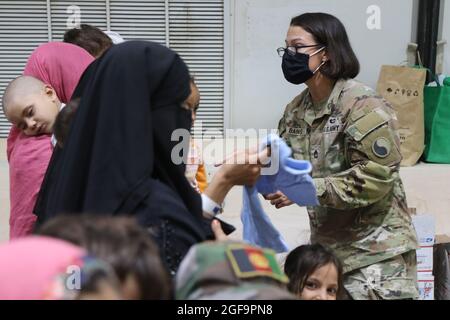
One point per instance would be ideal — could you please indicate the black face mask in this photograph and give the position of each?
(296, 67)
(184, 121)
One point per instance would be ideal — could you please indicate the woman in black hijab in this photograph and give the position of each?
(117, 157)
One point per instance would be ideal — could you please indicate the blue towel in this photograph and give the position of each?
(258, 229)
(292, 179)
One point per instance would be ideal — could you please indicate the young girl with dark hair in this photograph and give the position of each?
(314, 272)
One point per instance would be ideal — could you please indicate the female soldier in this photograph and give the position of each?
(348, 133)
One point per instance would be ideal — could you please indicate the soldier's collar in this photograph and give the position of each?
(327, 108)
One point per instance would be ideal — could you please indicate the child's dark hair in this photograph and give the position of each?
(63, 120)
(304, 260)
(90, 38)
(121, 242)
(194, 84)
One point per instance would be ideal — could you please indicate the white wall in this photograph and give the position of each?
(446, 36)
(259, 92)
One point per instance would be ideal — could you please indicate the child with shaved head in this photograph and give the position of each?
(31, 105)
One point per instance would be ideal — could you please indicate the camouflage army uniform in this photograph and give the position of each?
(353, 146)
(230, 271)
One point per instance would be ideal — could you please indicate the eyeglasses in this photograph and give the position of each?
(293, 50)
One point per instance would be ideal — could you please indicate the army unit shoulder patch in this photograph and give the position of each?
(381, 147)
(251, 262)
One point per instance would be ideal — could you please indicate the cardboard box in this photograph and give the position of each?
(426, 286)
(442, 238)
(425, 226)
(425, 260)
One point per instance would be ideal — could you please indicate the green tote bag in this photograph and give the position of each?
(437, 123)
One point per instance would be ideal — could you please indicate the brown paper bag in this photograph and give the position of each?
(403, 88)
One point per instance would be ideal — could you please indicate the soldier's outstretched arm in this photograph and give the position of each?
(372, 150)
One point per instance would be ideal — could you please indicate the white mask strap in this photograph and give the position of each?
(319, 67)
(316, 52)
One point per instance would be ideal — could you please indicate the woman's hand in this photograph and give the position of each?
(243, 168)
(217, 230)
(240, 174)
(278, 199)
(239, 169)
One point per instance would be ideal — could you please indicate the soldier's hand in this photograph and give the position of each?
(279, 200)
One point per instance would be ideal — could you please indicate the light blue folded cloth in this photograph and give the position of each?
(292, 178)
(258, 229)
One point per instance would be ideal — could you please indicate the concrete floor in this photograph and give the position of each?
(427, 187)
